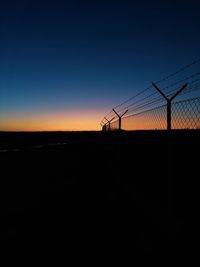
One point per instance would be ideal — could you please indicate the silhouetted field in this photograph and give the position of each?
(104, 192)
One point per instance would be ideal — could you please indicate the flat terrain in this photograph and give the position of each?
(101, 192)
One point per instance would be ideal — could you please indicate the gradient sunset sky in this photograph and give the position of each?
(64, 64)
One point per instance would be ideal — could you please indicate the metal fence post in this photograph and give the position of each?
(109, 121)
(169, 102)
(103, 126)
(120, 118)
(168, 115)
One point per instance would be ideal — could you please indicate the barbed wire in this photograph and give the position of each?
(155, 93)
(152, 98)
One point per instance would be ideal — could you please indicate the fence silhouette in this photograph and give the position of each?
(170, 103)
(185, 115)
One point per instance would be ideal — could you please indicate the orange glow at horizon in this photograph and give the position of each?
(62, 121)
(86, 120)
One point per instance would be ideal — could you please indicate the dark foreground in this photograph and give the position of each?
(99, 194)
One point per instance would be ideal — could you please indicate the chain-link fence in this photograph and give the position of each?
(172, 102)
(185, 115)
(112, 126)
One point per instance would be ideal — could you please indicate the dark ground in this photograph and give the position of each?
(100, 194)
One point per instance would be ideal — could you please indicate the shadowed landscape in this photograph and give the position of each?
(112, 191)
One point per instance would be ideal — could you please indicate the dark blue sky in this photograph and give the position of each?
(83, 57)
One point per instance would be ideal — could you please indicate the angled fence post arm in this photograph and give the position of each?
(169, 101)
(120, 118)
(168, 106)
(120, 124)
(116, 112)
(124, 113)
(154, 85)
(109, 121)
(178, 92)
(119, 127)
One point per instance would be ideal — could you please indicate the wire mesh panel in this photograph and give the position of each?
(107, 128)
(186, 114)
(147, 120)
(114, 125)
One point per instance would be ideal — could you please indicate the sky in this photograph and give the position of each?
(64, 64)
